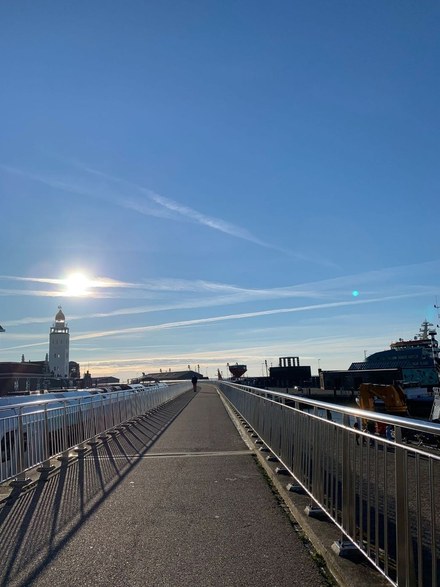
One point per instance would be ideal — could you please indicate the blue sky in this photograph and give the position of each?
(226, 174)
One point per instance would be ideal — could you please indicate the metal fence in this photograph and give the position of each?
(33, 433)
(380, 489)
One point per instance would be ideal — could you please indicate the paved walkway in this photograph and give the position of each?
(176, 499)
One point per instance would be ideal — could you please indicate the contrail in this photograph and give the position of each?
(231, 294)
(245, 315)
(183, 211)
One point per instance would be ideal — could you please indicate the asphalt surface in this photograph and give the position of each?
(175, 499)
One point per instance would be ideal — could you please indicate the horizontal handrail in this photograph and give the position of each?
(381, 493)
(412, 423)
(32, 433)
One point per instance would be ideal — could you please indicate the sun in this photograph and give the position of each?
(77, 284)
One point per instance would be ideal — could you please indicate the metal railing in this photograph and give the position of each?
(382, 491)
(32, 433)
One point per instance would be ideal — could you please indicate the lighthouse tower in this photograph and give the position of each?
(59, 346)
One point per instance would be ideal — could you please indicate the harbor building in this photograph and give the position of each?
(22, 377)
(59, 346)
(290, 373)
(54, 371)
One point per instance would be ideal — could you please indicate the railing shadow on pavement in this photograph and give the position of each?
(35, 524)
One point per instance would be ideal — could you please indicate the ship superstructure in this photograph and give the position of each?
(237, 370)
(417, 358)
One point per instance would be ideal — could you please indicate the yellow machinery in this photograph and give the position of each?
(391, 395)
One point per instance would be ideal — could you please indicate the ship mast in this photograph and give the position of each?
(424, 330)
(434, 342)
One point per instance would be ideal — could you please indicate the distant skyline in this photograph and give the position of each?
(203, 183)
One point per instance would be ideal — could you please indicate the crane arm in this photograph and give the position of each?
(392, 396)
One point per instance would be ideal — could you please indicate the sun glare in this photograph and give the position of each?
(77, 284)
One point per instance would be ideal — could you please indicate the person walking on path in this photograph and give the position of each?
(194, 382)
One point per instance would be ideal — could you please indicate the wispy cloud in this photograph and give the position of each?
(205, 294)
(210, 221)
(34, 293)
(253, 352)
(216, 319)
(245, 315)
(97, 283)
(94, 282)
(154, 204)
(181, 211)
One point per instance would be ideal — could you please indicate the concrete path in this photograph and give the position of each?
(176, 499)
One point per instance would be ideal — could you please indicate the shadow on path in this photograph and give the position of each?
(36, 524)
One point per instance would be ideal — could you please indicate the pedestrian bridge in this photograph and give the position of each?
(187, 489)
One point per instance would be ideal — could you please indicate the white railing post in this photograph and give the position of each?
(21, 478)
(47, 465)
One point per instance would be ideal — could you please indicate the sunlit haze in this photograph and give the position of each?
(207, 183)
(77, 284)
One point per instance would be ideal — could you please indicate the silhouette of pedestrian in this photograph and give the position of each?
(194, 382)
(356, 427)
